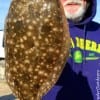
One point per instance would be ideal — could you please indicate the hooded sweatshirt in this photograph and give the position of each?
(80, 79)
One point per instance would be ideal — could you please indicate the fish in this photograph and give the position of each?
(37, 46)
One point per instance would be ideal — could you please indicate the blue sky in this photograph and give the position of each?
(97, 17)
(4, 6)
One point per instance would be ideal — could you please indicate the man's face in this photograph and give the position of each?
(74, 9)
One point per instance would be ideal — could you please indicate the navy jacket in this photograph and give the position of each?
(80, 79)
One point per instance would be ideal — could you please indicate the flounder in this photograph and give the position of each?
(37, 44)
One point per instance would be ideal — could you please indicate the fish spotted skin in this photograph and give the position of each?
(37, 45)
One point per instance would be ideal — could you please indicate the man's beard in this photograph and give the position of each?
(78, 16)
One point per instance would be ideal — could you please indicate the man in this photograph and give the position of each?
(80, 79)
